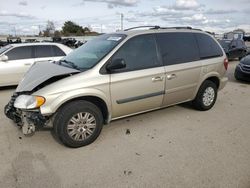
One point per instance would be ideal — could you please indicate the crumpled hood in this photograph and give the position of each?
(40, 72)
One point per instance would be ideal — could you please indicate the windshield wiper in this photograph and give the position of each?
(71, 64)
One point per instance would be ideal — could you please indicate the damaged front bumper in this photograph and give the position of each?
(28, 120)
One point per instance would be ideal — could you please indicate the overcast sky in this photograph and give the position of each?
(26, 16)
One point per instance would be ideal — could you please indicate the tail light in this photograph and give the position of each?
(226, 63)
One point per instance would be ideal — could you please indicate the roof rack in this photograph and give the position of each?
(148, 26)
(158, 27)
(177, 27)
(187, 27)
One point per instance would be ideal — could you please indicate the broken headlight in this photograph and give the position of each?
(29, 102)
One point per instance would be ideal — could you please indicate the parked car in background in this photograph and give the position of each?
(70, 42)
(235, 48)
(242, 71)
(117, 75)
(79, 43)
(14, 40)
(30, 40)
(16, 59)
(3, 43)
(246, 38)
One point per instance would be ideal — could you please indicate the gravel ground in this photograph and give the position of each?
(172, 147)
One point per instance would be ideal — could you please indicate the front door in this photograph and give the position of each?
(140, 86)
(19, 61)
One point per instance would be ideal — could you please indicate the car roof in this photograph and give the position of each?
(34, 44)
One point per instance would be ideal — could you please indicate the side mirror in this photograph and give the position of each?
(116, 64)
(4, 58)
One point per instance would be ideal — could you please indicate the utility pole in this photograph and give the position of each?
(122, 16)
(15, 30)
(39, 29)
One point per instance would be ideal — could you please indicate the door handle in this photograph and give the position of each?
(27, 64)
(171, 76)
(157, 78)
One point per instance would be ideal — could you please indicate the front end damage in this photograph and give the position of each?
(28, 120)
(41, 74)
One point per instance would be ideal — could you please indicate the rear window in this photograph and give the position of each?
(177, 48)
(43, 51)
(24, 52)
(208, 47)
(58, 51)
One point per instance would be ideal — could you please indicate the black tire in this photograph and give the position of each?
(198, 102)
(69, 111)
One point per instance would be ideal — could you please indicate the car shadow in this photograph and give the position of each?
(187, 105)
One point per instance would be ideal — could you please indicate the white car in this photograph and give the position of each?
(16, 59)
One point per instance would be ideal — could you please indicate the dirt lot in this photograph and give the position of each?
(173, 147)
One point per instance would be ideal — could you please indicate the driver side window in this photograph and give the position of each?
(139, 53)
(24, 52)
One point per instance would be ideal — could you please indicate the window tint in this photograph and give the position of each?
(43, 51)
(58, 51)
(4, 48)
(177, 48)
(138, 53)
(208, 47)
(24, 52)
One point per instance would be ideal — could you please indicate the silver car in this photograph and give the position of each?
(117, 75)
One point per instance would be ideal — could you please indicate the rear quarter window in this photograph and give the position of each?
(58, 51)
(207, 46)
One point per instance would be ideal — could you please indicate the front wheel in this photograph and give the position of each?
(78, 123)
(206, 96)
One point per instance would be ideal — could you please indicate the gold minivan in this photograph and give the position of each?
(117, 75)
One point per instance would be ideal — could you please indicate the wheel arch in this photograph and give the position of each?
(99, 102)
(212, 77)
(215, 80)
(98, 97)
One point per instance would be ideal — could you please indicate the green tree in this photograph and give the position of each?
(70, 27)
(86, 30)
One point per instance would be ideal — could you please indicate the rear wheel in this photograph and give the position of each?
(78, 123)
(206, 96)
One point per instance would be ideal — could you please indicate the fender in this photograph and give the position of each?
(57, 100)
(208, 75)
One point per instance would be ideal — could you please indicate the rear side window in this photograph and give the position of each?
(43, 51)
(139, 53)
(24, 52)
(177, 48)
(58, 51)
(208, 47)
